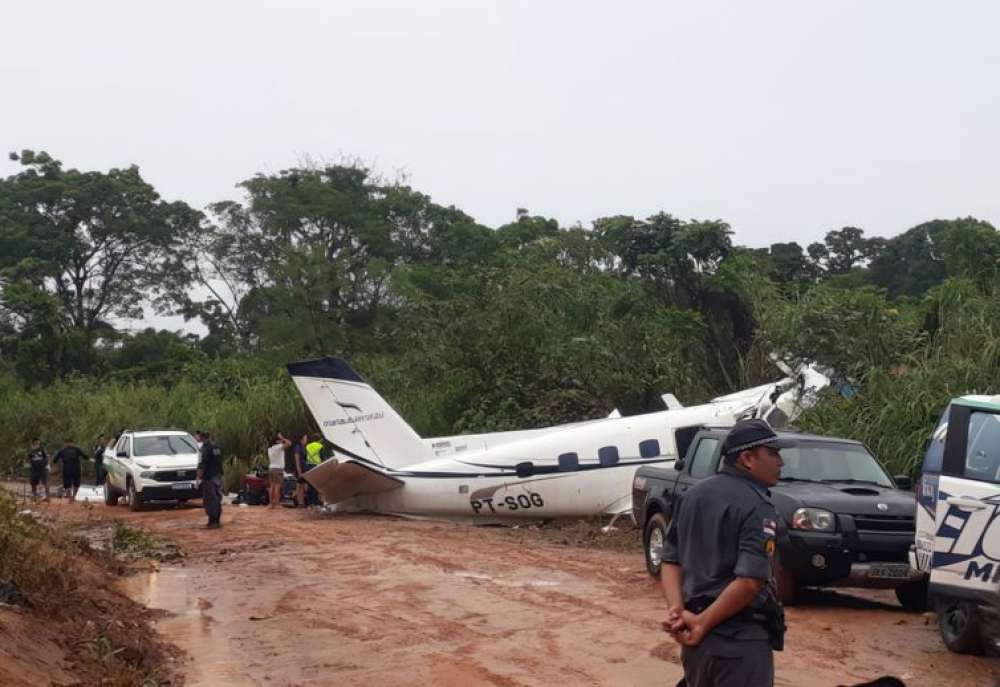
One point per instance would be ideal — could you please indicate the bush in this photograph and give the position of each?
(901, 399)
(241, 401)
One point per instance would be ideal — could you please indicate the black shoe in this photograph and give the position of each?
(214, 525)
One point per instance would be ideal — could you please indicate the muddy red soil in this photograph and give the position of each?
(286, 597)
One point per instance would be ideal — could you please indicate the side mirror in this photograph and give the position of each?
(903, 482)
(679, 464)
(121, 454)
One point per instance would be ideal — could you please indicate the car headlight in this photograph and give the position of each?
(147, 475)
(815, 519)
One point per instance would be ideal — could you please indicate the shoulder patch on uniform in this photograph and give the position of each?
(770, 527)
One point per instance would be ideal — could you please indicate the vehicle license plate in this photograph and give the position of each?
(894, 571)
(181, 485)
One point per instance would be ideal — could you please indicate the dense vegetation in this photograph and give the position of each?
(463, 327)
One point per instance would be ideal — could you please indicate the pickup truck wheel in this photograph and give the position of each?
(653, 538)
(110, 494)
(913, 595)
(134, 497)
(958, 624)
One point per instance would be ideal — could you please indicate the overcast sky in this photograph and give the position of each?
(785, 119)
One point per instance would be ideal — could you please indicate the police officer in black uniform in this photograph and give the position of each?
(210, 474)
(717, 569)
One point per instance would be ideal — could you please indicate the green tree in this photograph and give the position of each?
(845, 249)
(81, 248)
(302, 266)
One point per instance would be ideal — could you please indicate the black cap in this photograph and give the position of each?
(748, 434)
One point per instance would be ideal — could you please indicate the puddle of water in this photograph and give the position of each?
(88, 494)
(508, 583)
(190, 626)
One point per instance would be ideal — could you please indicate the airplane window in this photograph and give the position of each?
(650, 448)
(568, 462)
(608, 455)
(525, 469)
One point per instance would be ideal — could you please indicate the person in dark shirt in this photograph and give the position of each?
(99, 461)
(300, 469)
(70, 457)
(210, 474)
(38, 463)
(717, 572)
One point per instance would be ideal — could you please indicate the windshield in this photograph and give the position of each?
(831, 462)
(163, 445)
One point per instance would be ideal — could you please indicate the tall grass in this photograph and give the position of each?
(241, 402)
(899, 402)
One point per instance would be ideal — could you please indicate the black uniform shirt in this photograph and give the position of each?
(70, 457)
(723, 528)
(211, 461)
(38, 457)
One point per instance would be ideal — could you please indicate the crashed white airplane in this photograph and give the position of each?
(578, 469)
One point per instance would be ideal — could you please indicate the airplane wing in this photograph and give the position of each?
(338, 481)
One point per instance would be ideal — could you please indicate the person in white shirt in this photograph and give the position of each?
(276, 470)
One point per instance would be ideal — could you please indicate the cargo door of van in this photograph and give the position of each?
(966, 557)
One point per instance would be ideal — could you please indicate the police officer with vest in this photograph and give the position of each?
(717, 571)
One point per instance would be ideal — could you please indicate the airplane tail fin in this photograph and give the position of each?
(357, 421)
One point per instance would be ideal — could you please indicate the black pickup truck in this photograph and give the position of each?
(842, 520)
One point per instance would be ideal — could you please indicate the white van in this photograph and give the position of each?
(958, 521)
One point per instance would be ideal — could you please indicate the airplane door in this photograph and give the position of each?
(966, 558)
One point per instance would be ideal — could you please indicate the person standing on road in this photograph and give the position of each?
(276, 470)
(314, 451)
(70, 457)
(210, 475)
(99, 461)
(38, 464)
(717, 572)
(289, 447)
(314, 457)
(301, 467)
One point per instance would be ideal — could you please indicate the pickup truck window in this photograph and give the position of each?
(122, 445)
(650, 448)
(701, 463)
(982, 455)
(832, 462)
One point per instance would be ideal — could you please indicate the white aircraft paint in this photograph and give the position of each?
(578, 469)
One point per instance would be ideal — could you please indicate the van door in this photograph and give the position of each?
(966, 559)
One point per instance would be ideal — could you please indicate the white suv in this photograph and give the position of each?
(958, 522)
(151, 465)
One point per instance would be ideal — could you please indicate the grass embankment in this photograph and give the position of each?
(65, 622)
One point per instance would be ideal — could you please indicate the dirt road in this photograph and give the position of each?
(284, 597)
